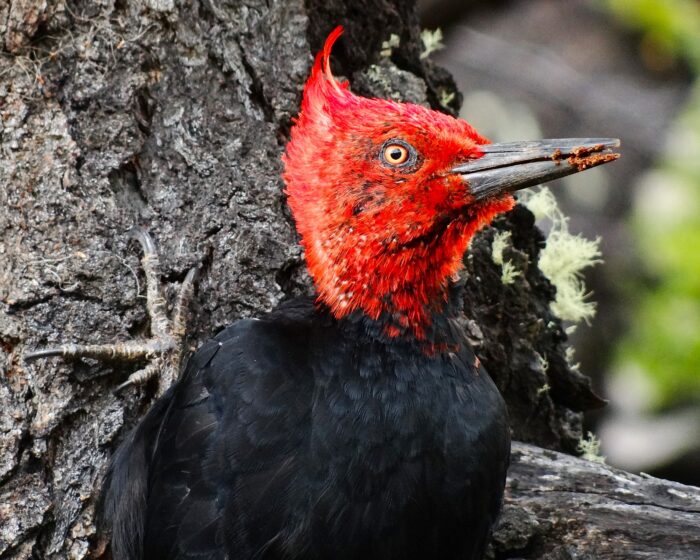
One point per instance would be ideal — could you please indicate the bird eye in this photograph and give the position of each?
(395, 154)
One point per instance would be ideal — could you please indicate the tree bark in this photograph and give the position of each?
(172, 115)
(559, 507)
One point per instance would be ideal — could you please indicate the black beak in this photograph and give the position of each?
(511, 166)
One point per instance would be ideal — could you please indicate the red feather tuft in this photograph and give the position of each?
(327, 47)
(321, 75)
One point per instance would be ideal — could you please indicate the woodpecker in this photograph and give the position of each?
(358, 424)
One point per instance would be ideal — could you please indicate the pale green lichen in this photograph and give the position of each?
(589, 448)
(446, 97)
(543, 362)
(508, 271)
(388, 46)
(379, 77)
(432, 41)
(564, 258)
(569, 355)
(500, 242)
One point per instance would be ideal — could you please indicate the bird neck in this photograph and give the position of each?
(410, 291)
(441, 332)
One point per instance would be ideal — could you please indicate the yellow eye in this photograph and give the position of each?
(395, 154)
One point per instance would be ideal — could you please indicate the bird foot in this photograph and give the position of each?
(163, 350)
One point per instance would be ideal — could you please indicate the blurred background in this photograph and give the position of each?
(609, 68)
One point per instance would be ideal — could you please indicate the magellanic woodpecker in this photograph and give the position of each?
(359, 424)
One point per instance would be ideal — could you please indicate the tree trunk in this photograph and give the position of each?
(172, 115)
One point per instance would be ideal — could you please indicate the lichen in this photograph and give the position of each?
(389, 45)
(542, 361)
(446, 97)
(432, 41)
(544, 389)
(508, 271)
(589, 448)
(564, 258)
(570, 355)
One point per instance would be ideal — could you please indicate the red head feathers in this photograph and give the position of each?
(383, 200)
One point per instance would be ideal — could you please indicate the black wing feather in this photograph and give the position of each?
(218, 446)
(125, 490)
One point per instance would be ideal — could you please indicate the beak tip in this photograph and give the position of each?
(590, 154)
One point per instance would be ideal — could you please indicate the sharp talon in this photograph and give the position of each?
(192, 276)
(122, 386)
(144, 238)
(45, 353)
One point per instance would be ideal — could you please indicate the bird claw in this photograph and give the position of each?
(141, 376)
(163, 349)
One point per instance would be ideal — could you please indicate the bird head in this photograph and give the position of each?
(386, 196)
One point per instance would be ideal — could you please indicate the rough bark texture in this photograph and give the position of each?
(559, 507)
(172, 115)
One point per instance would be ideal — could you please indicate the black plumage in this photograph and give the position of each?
(300, 436)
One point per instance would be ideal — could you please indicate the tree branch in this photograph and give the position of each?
(558, 506)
